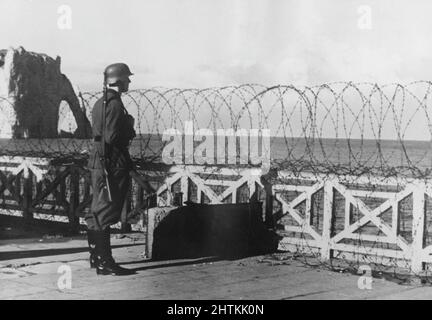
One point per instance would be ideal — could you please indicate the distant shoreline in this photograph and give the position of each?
(146, 135)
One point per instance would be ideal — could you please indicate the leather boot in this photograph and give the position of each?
(105, 264)
(92, 247)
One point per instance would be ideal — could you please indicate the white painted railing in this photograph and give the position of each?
(327, 215)
(204, 178)
(328, 243)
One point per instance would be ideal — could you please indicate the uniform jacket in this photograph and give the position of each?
(118, 134)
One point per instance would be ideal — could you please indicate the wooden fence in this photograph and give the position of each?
(37, 188)
(380, 220)
(355, 218)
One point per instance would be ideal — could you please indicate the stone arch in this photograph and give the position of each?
(35, 87)
(83, 127)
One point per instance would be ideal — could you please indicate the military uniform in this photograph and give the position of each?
(119, 132)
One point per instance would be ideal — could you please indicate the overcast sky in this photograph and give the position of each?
(203, 43)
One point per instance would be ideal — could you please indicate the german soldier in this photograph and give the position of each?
(109, 164)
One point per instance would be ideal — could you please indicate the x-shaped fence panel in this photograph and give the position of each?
(348, 237)
(329, 215)
(205, 179)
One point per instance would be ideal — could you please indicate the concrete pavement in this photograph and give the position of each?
(39, 269)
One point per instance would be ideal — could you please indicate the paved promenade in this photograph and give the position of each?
(34, 268)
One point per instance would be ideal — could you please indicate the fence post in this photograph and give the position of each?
(28, 196)
(418, 228)
(169, 195)
(125, 226)
(139, 196)
(74, 199)
(269, 221)
(252, 189)
(326, 251)
(184, 187)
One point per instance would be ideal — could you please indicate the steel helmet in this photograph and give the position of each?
(116, 71)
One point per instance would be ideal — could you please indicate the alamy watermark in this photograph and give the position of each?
(364, 21)
(64, 282)
(225, 146)
(64, 21)
(365, 280)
